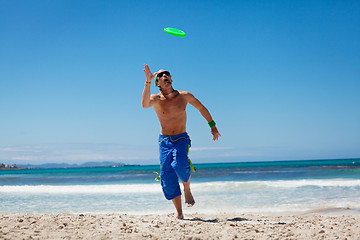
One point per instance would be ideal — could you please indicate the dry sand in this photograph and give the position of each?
(195, 226)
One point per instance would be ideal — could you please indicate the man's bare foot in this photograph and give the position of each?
(180, 216)
(189, 200)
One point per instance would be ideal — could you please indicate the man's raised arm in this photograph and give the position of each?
(146, 95)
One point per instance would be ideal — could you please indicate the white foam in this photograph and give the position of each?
(232, 185)
(82, 189)
(314, 183)
(198, 187)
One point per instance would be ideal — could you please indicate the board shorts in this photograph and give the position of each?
(174, 163)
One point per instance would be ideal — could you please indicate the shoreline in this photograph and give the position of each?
(166, 226)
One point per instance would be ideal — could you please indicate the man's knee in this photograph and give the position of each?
(170, 185)
(182, 169)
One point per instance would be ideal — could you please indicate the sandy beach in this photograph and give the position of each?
(195, 226)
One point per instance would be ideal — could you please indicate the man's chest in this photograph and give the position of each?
(171, 107)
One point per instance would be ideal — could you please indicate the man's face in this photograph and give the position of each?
(164, 79)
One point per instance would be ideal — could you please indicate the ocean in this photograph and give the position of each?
(245, 187)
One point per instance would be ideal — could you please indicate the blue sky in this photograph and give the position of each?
(281, 78)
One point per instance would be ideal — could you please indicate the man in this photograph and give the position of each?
(174, 142)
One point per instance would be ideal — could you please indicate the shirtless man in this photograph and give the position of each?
(174, 142)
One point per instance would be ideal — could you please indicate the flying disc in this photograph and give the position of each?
(175, 32)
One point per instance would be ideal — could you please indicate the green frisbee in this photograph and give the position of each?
(175, 32)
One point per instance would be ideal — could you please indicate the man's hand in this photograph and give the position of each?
(149, 76)
(215, 133)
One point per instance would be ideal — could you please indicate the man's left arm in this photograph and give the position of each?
(205, 113)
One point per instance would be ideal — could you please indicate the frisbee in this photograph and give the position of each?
(175, 32)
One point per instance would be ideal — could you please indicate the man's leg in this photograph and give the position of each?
(169, 178)
(177, 204)
(182, 168)
(189, 200)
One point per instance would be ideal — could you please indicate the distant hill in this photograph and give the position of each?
(66, 165)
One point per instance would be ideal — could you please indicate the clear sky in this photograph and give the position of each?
(280, 78)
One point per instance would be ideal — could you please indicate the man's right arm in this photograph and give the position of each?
(147, 100)
(146, 97)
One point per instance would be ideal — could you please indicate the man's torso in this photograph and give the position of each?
(171, 112)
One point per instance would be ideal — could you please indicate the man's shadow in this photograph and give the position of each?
(237, 219)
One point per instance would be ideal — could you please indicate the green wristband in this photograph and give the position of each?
(212, 124)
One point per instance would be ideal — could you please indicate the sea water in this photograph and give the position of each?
(253, 187)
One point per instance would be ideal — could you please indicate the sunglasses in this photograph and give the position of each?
(162, 73)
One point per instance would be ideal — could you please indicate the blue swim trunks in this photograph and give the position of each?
(174, 163)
